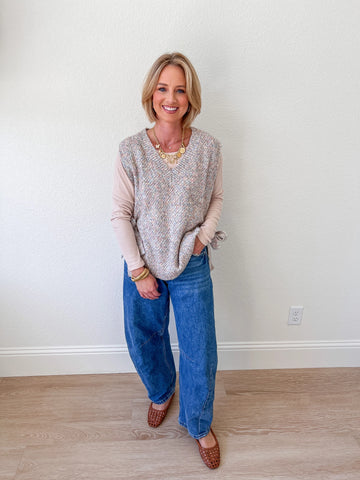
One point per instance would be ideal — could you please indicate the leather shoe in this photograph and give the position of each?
(155, 417)
(210, 456)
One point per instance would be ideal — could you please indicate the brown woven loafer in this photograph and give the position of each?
(210, 456)
(155, 417)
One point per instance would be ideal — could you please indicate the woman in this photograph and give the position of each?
(167, 202)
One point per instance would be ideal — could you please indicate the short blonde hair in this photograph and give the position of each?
(193, 88)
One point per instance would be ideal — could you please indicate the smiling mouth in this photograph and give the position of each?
(170, 109)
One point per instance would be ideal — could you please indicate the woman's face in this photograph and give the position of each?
(170, 101)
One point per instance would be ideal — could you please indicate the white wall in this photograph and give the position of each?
(280, 85)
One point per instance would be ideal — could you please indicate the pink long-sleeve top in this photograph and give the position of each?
(123, 207)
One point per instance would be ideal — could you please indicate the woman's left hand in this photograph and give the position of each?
(198, 247)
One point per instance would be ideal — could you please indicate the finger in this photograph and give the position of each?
(154, 295)
(154, 291)
(149, 296)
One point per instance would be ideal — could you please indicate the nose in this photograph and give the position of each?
(171, 97)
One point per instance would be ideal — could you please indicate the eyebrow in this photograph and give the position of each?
(177, 86)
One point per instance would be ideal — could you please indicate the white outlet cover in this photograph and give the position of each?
(295, 315)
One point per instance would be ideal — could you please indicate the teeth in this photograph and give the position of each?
(172, 109)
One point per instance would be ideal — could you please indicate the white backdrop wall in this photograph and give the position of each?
(280, 85)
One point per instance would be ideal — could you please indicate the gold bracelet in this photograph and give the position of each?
(142, 275)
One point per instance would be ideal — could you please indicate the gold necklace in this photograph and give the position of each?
(170, 158)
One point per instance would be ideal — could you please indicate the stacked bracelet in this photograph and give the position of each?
(142, 275)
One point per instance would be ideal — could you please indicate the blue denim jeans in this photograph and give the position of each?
(147, 336)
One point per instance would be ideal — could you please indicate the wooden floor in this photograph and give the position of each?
(271, 424)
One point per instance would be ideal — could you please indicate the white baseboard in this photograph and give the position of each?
(92, 359)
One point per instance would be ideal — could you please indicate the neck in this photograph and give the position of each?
(168, 133)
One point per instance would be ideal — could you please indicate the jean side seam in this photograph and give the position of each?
(160, 333)
(166, 361)
(164, 322)
(131, 353)
(186, 356)
(166, 326)
(205, 403)
(148, 340)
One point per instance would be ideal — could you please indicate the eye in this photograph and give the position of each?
(181, 90)
(161, 89)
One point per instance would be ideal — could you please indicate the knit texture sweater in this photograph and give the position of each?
(170, 203)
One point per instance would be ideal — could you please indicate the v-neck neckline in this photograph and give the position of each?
(152, 150)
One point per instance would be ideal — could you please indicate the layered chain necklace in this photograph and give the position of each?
(170, 158)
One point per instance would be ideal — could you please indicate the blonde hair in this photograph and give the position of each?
(193, 88)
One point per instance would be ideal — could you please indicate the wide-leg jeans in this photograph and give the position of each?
(147, 336)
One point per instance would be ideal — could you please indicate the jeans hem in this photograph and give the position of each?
(167, 396)
(196, 437)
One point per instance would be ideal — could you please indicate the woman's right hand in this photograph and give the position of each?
(148, 287)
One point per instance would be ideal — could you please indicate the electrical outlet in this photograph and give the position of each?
(295, 315)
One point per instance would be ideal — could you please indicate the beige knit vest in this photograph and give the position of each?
(170, 203)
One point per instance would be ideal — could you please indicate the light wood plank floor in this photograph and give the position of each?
(271, 424)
